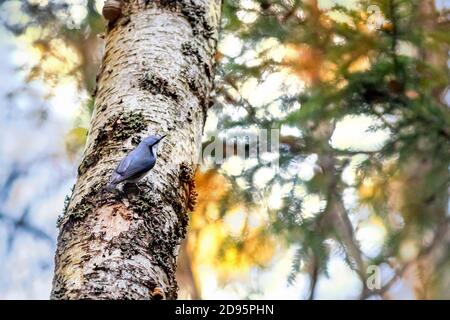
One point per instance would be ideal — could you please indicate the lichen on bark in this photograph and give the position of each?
(113, 246)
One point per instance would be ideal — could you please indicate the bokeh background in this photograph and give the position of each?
(359, 92)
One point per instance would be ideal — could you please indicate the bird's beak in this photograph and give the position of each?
(161, 138)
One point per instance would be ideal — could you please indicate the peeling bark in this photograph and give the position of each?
(156, 78)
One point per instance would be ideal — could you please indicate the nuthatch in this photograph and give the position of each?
(136, 164)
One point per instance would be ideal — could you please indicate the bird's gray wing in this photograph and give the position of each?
(125, 163)
(132, 167)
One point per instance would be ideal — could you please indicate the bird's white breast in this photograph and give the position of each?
(154, 149)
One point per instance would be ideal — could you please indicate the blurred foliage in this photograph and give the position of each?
(62, 37)
(225, 234)
(385, 60)
(392, 68)
(303, 67)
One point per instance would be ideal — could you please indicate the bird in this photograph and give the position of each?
(136, 164)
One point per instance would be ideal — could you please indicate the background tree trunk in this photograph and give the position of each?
(155, 78)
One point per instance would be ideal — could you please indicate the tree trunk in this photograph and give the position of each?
(155, 78)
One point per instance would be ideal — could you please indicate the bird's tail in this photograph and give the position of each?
(111, 187)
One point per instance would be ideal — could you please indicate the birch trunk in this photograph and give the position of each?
(155, 78)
